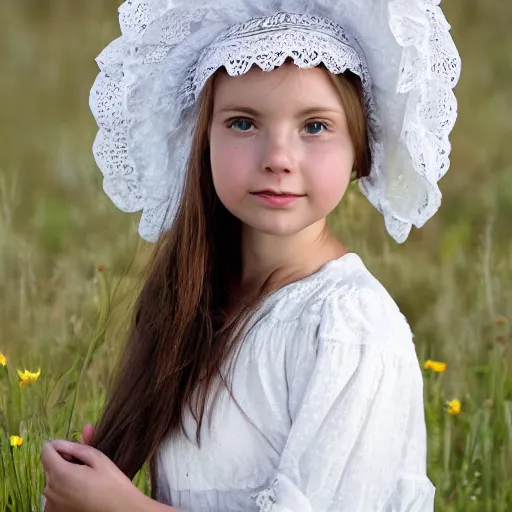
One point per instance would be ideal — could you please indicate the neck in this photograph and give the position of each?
(299, 255)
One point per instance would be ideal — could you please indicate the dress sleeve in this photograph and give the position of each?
(358, 439)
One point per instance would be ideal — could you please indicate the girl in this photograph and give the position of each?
(266, 369)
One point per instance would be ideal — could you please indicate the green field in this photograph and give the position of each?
(70, 261)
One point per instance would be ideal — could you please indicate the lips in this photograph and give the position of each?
(276, 200)
(276, 194)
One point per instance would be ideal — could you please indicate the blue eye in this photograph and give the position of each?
(242, 125)
(317, 128)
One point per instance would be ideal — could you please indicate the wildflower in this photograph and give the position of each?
(500, 320)
(16, 441)
(3, 360)
(453, 407)
(435, 366)
(28, 377)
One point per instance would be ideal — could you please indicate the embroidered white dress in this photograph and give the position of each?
(329, 376)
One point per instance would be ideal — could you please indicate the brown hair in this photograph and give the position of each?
(180, 336)
(350, 89)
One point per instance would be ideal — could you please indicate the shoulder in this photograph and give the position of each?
(346, 304)
(359, 310)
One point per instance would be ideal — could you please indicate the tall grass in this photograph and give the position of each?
(70, 261)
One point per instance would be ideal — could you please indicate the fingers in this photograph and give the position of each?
(50, 459)
(83, 452)
(53, 465)
(88, 433)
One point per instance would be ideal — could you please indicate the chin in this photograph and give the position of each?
(275, 228)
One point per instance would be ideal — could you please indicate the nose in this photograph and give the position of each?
(278, 154)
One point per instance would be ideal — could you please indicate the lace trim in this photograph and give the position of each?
(268, 41)
(266, 499)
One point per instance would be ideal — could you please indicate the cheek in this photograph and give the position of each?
(329, 174)
(231, 166)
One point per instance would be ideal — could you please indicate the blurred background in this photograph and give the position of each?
(61, 238)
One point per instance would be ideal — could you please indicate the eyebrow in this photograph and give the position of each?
(252, 112)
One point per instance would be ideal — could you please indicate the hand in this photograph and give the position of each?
(97, 486)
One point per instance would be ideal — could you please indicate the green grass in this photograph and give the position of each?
(70, 260)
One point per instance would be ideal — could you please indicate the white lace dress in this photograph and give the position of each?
(329, 376)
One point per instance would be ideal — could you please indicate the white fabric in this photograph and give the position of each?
(329, 376)
(144, 98)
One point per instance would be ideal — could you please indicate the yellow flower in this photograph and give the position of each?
(16, 441)
(3, 360)
(454, 407)
(28, 377)
(435, 366)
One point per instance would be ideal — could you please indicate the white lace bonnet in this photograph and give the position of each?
(144, 98)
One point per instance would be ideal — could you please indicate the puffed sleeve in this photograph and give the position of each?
(358, 436)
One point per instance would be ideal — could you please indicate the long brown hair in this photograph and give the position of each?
(180, 336)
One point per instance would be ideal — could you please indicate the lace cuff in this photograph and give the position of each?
(281, 496)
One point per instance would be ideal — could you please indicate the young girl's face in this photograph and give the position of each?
(284, 131)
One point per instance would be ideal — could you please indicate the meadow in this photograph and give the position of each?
(70, 261)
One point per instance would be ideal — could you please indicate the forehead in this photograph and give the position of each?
(283, 86)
